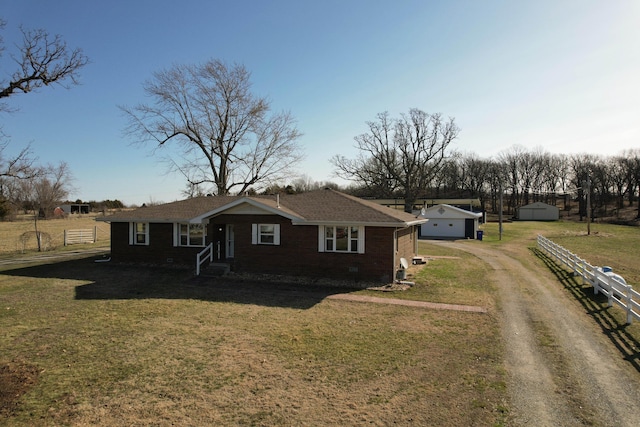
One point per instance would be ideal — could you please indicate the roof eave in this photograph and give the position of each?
(150, 220)
(397, 224)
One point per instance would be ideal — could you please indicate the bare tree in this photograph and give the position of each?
(510, 162)
(42, 192)
(17, 166)
(13, 169)
(556, 177)
(475, 175)
(41, 61)
(582, 166)
(407, 152)
(193, 190)
(632, 166)
(496, 179)
(619, 179)
(227, 137)
(52, 188)
(305, 183)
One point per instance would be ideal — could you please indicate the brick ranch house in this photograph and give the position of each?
(322, 233)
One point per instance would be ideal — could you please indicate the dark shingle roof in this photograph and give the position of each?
(180, 211)
(314, 207)
(333, 206)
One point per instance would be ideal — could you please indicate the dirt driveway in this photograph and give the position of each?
(563, 370)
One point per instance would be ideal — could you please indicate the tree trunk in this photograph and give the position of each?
(35, 223)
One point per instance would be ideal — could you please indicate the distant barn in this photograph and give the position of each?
(76, 208)
(538, 211)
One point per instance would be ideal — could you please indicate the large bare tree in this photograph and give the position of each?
(229, 140)
(406, 153)
(41, 60)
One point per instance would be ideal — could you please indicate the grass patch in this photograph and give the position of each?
(13, 243)
(134, 346)
(450, 276)
(613, 245)
(461, 279)
(103, 344)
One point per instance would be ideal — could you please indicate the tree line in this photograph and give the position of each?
(523, 176)
(519, 175)
(411, 157)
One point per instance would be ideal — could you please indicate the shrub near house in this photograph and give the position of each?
(322, 233)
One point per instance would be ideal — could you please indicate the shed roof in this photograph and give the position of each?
(448, 211)
(325, 206)
(538, 205)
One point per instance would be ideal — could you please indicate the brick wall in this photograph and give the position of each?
(406, 244)
(159, 251)
(297, 253)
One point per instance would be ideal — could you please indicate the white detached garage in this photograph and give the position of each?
(446, 221)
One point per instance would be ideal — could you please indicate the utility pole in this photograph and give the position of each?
(500, 214)
(586, 185)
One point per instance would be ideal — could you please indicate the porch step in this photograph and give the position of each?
(215, 269)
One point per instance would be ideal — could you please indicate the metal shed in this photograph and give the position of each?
(538, 211)
(76, 208)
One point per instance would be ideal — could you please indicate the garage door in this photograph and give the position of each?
(443, 228)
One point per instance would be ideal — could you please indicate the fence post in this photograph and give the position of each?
(628, 299)
(65, 237)
(610, 290)
(95, 233)
(596, 280)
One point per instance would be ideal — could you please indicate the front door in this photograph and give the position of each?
(229, 241)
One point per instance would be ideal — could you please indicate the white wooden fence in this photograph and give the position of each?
(87, 235)
(611, 285)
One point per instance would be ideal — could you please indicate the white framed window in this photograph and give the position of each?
(138, 233)
(192, 234)
(265, 234)
(341, 238)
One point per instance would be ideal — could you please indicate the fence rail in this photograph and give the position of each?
(618, 292)
(85, 235)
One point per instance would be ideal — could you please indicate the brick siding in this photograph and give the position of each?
(296, 255)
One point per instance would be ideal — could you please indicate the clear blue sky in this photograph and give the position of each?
(560, 75)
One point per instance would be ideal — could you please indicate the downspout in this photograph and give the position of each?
(396, 260)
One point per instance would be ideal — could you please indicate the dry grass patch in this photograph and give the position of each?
(449, 276)
(19, 236)
(608, 244)
(132, 346)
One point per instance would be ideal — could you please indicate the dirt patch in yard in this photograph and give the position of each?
(15, 380)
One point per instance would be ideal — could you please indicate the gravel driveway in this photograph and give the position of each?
(562, 368)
